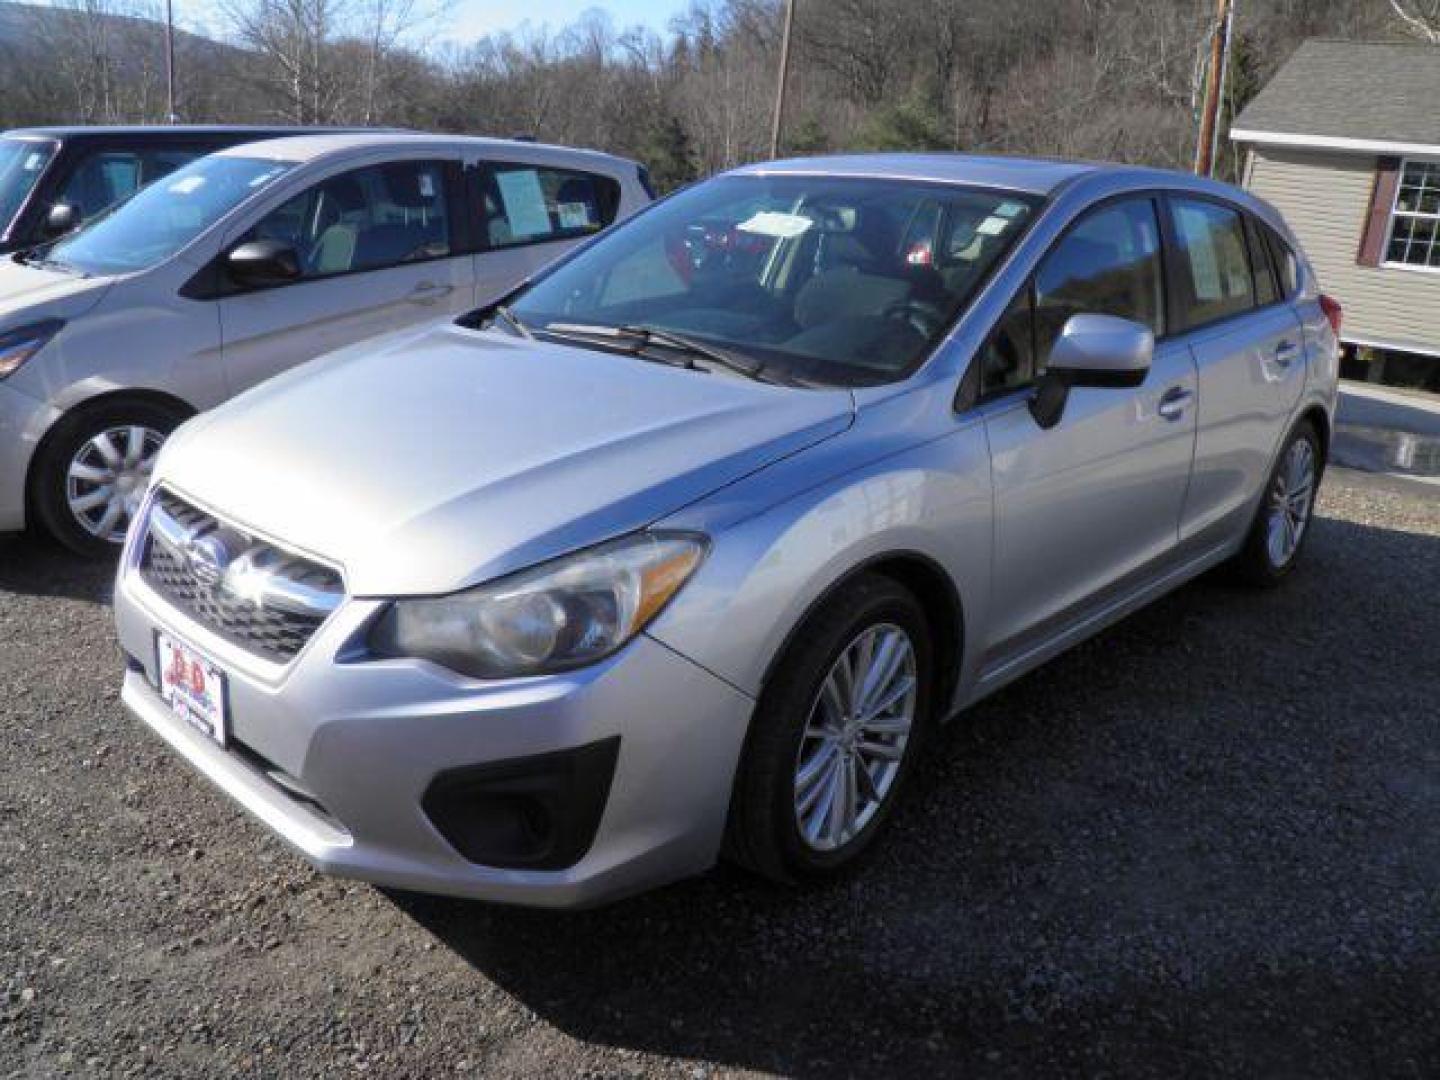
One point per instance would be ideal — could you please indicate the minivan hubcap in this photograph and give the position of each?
(855, 737)
(107, 479)
(1290, 498)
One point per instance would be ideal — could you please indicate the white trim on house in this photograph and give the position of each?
(1392, 346)
(1334, 142)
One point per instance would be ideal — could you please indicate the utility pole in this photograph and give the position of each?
(1205, 145)
(780, 82)
(170, 116)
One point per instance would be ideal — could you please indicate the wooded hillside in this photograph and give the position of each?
(1112, 79)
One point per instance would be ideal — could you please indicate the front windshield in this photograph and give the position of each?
(840, 281)
(160, 219)
(21, 163)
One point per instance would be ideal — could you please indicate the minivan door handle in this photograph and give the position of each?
(428, 291)
(1286, 353)
(1173, 401)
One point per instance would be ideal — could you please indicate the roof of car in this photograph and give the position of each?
(100, 131)
(1036, 176)
(302, 148)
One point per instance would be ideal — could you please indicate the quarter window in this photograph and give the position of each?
(367, 219)
(530, 204)
(1415, 223)
(1216, 281)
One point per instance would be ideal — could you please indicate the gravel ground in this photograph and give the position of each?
(1203, 843)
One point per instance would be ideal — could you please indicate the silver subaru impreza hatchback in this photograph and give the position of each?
(684, 550)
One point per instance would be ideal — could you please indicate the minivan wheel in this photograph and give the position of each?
(834, 736)
(92, 471)
(1282, 521)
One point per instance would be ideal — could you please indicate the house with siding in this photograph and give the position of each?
(1345, 142)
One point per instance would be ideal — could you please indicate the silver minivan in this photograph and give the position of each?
(686, 549)
(244, 263)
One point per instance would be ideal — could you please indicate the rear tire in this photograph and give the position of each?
(92, 469)
(1282, 521)
(809, 741)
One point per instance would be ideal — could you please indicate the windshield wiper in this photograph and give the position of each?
(43, 263)
(510, 319)
(668, 339)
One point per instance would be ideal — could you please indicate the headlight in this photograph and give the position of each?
(17, 346)
(561, 615)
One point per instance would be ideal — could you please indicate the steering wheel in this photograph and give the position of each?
(918, 315)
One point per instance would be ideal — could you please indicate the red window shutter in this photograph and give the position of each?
(1377, 221)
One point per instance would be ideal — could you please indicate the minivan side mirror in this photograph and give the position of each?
(61, 219)
(1092, 350)
(258, 263)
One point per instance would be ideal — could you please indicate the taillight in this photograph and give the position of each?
(1333, 312)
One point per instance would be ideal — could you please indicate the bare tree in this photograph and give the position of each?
(1420, 18)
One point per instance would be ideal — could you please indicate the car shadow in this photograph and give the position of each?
(1135, 858)
(37, 566)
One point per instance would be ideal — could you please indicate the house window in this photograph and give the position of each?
(1415, 222)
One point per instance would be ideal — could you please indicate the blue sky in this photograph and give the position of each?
(466, 20)
(470, 19)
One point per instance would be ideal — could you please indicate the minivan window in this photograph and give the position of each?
(162, 218)
(533, 204)
(106, 177)
(365, 219)
(1215, 279)
(21, 163)
(815, 278)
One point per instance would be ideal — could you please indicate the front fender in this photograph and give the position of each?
(767, 570)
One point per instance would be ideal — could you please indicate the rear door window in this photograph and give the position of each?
(1215, 277)
(536, 204)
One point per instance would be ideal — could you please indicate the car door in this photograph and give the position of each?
(1248, 349)
(529, 214)
(378, 250)
(1083, 510)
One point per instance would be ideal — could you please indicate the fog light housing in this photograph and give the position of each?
(532, 813)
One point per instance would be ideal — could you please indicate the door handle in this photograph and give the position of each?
(430, 290)
(1173, 401)
(1286, 353)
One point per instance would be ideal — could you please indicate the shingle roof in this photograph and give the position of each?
(1366, 90)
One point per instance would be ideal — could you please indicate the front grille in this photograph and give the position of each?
(248, 591)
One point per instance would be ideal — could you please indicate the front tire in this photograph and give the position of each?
(1282, 522)
(92, 471)
(835, 736)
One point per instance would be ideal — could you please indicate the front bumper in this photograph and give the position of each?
(23, 420)
(365, 740)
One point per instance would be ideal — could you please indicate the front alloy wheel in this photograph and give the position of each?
(855, 737)
(835, 734)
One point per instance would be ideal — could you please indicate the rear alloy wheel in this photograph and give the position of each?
(835, 735)
(1282, 521)
(93, 470)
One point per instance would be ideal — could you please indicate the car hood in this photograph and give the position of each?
(31, 293)
(438, 460)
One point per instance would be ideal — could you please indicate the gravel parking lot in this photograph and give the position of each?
(1204, 843)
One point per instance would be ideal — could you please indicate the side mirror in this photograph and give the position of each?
(258, 263)
(61, 219)
(1095, 351)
